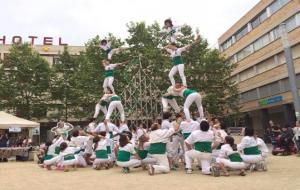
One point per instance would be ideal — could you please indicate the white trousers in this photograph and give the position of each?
(108, 83)
(231, 165)
(252, 159)
(80, 160)
(149, 160)
(204, 158)
(99, 108)
(53, 161)
(177, 68)
(99, 161)
(112, 106)
(173, 148)
(194, 97)
(69, 162)
(129, 164)
(162, 164)
(172, 102)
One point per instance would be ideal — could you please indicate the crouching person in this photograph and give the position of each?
(199, 147)
(125, 153)
(158, 139)
(68, 158)
(252, 155)
(102, 159)
(230, 158)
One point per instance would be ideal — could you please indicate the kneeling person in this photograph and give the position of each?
(202, 142)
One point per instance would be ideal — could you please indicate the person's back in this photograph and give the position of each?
(3, 140)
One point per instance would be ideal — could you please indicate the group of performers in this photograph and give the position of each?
(161, 147)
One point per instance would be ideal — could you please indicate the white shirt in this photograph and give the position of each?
(56, 142)
(189, 127)
(177, 52)
(106, 47)
(170, 91)
(225, 151)
(91, 127)
(222, 133)
(296, 131)
(111, 128)
(102, 144)
(123, 128)
(161, 135)
(140, 132)
(79, 141)
(200, 136)
(166, 124)
(128, 148)
(247, 142)
(111, 66)
(262, 145)
(69, 150)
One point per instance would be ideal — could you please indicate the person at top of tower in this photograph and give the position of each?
(109, 73)
(106, 46)
(178, 64)
(172, 31)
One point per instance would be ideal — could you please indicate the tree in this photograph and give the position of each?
(64, 92)
(206, 70)
(24, 82)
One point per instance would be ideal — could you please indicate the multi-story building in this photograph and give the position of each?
(48, 52)
(254, 44)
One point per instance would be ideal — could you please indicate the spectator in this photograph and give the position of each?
(3, 143)
(296, 131)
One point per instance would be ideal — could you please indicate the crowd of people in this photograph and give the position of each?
(177, 142)
(173, 144)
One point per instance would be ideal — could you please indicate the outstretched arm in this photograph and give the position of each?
(179, 89)
(187, 47)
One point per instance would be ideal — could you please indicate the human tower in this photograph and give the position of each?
(160, 147)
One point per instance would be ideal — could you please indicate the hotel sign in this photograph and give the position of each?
(269, 101)
(32, 40)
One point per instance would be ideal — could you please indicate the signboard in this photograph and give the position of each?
(269, 101)
(32, 40)
(14, 129)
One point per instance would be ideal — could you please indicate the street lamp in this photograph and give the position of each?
(291, 69)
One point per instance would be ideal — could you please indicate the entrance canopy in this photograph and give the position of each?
(8, 121)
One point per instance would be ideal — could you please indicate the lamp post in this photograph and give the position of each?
(291, 69)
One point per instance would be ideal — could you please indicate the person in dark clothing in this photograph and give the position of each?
(3, 143)
(286, 138)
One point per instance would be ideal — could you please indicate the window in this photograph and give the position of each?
(227, 44)
(259, 19)
(246, 74)
(291, 23)
(249, 96)
(276, 33)
(261, 42)
(242, 32)
(277, 5)
(274, 88)
(296, 51)
(266, 65)
(245, 52)
(285, 85)
(264, 91)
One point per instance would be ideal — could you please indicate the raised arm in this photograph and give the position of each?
(187, 47)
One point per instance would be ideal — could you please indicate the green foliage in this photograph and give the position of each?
(76, 82)
(25, 78)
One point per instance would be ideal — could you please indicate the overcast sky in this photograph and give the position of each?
(76, 21)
